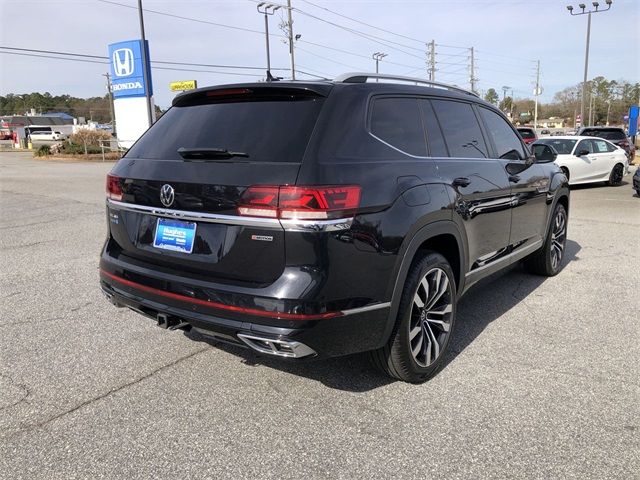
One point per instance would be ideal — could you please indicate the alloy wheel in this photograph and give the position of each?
(431, 315)
(558, 238)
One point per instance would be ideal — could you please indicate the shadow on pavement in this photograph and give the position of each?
(486, 301)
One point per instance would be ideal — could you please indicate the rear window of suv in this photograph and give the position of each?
(268, 127)
(526, 133)
(607, 134)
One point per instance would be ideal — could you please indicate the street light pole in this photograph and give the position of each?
(267, 9)
(145, 60)
(582, 7)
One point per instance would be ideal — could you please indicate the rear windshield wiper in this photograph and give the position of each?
(209, 153)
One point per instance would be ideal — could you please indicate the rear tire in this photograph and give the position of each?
(547, 261)
(616, 175)
(424, 324)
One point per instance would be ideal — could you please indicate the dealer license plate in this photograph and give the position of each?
(175, 235)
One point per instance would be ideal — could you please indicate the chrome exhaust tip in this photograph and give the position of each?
(279, 348)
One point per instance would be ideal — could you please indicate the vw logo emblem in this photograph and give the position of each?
(167, 195)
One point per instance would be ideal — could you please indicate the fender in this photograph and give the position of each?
(406, 256)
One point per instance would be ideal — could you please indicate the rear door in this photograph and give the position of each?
(482, 191)
(604, 158)
(178, 184)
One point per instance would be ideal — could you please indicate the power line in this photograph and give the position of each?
(84, 55)
(326, 58)
(363, 23)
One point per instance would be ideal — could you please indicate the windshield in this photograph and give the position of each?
(613, 134)
(560, 145)
(268, 130)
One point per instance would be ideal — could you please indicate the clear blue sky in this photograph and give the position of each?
(508, 35)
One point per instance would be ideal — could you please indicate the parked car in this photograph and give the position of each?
(313, 219)
(636, 181)
(588, 159)
(614, 135)
(545, 132)
(46, 135)
(528, 134)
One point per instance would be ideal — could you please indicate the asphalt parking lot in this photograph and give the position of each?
(544, 380)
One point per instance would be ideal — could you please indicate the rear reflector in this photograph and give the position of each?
(218, 305)
(304, 203)
(114, 188)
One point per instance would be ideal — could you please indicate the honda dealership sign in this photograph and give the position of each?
(129, 90)
(127, 74)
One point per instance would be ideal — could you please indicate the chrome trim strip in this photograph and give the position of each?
(272, 223)
(368, 308)
(295, 225)
(290, 225)
(518, 252)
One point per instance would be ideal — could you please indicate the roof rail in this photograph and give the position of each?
(359, 77)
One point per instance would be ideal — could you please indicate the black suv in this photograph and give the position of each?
(315, 219)
(614, 135)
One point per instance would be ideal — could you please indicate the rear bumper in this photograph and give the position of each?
(326, 329)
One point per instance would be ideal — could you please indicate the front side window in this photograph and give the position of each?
(508, 145)
(460, 129)
(396, 121)
(585, 145)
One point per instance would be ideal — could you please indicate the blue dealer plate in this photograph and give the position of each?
(174, 235)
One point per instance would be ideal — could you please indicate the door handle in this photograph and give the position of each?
(461, 182)
(514, 178)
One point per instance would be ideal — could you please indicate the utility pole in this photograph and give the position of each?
(113, 118)
(378, 56)
(290, 21)
(582, 6)
(472, 72)
(536, 94)
(145, 62)
(267, 9)
(511, 107)
(432, 60)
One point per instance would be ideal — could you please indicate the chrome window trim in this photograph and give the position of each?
(290, 225)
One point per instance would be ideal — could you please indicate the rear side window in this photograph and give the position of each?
(460, 129)
(505, 140)
(267, 129)
(435, 139)
(396, 121)
(600, 146)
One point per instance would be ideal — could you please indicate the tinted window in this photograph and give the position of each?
(460, 129)
(396, 121)
(561, 146)
(609, 134)
(435, 140)
(268, 130)
(506, 141)
(526, 133)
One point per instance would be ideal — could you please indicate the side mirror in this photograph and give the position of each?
(582, 153)
(544, 153)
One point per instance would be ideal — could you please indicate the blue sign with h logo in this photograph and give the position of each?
(127, 74)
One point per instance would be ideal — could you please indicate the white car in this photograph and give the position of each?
(588, 159)
(46, 135)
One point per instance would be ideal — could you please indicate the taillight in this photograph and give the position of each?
(259, 202)
(304, 203)
(624, 143)
(114, 189)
